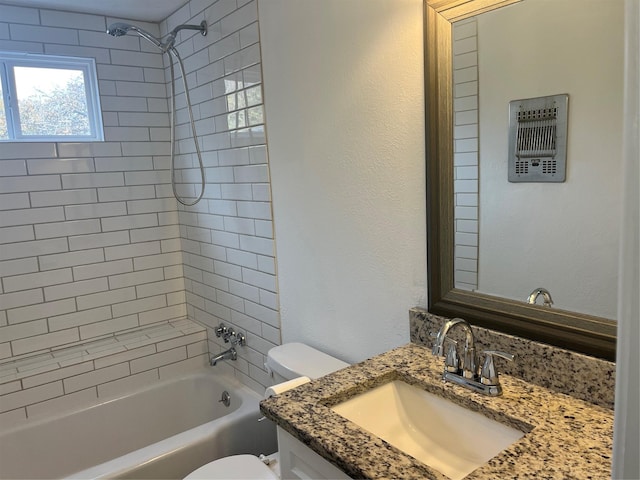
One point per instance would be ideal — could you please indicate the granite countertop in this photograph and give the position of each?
(566, 438)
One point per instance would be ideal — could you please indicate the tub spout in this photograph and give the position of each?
(230, 354)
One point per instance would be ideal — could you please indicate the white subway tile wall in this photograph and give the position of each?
(227, 238)
(92, 241)
(65, 378)
(465, 134)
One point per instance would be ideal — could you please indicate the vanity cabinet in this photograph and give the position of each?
(297, 461)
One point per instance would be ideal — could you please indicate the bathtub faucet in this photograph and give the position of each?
(230, 354)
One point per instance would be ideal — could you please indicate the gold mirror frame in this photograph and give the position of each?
(574, 331)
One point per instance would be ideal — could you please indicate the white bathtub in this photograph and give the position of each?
(163, 431)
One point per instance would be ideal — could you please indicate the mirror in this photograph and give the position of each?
(533, 226)
(567, 327)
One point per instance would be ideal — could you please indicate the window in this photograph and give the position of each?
(45, 98)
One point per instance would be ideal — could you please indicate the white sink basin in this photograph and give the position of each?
(445, 436)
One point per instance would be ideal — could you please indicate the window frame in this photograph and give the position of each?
(9, 60)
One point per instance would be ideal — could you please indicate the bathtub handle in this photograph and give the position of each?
(226, 399)
(238, 339)
(221, 330)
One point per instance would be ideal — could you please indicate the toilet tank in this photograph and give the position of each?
(292, 360)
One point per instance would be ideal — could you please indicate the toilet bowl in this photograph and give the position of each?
(284, 363)
(238, 467)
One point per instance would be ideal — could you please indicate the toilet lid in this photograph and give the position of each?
(233, 467)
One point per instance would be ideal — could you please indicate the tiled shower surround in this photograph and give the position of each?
(94, 246)
(465, 133)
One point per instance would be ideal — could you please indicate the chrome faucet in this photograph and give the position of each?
(467, 372)
(469, 361)
(230, 354)
(533, 297)
(230, 335)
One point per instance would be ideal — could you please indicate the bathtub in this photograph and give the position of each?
(163, 431)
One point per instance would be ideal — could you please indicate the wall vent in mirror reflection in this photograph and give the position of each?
(538, 139)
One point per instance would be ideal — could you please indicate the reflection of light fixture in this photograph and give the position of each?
(538, 139)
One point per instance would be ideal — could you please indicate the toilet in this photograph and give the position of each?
(284, 363)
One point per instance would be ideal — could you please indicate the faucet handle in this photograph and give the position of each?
(489, 374)
(438, 347)
(221, 330)
(435, 350)
(237, 339)
(452, 359)
(227, 335)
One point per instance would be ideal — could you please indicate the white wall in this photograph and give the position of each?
(344, 101)
(561, 236)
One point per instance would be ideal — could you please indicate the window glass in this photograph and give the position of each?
(48, 98)
(51, 101)
(4, 134)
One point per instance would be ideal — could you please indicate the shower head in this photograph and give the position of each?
(120, 28)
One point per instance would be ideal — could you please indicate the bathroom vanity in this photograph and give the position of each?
(562, 437)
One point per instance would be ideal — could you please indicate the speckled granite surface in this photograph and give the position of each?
(566, 438)
(581, 376)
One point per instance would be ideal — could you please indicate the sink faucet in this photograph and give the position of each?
(545, 295)
(479, 379)
(469, 360)
(230, 354)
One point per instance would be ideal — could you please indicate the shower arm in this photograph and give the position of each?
(167, 45)
(202, 27)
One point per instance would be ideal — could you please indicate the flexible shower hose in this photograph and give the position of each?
(173, 128)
